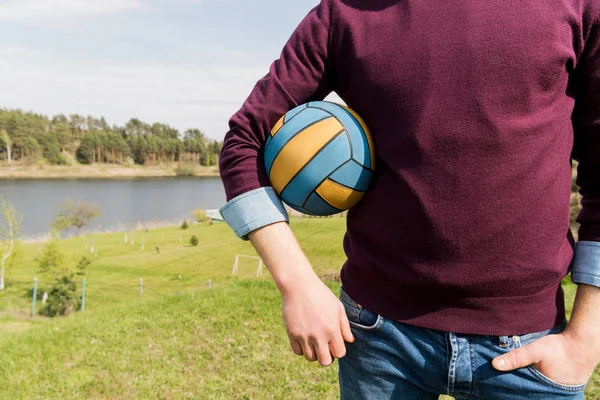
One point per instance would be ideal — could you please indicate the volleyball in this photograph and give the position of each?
(320, 158)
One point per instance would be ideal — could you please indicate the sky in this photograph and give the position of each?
(187, 63)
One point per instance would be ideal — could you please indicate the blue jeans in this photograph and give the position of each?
(392, 360)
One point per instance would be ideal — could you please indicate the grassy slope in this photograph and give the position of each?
(228, 342)
(223, 343)
(114, 275)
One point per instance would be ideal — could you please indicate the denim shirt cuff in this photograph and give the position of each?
(586, 267)
(253, 210)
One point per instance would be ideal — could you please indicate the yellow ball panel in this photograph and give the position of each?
(337, 195)
(277, 126)
(301, 149)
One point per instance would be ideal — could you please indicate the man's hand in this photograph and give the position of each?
(570, 357)
(314, 318)
(562, 358)
(316, 322)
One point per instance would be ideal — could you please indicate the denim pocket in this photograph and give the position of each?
(358, 316)
(532, 337)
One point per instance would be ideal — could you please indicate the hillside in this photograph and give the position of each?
(223, 343)
(113, 277)
(182, 339)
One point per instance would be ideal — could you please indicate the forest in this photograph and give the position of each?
(30, 138)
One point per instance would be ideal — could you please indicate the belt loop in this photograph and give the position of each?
(504, 342)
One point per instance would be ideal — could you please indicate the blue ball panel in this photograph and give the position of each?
(353, 175)
(334, 154)
(305, 118)
(293, 112)
(301, 209)
(319, 206)
(268, 141)
(360, 145)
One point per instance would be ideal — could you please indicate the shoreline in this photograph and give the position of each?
(100, 171)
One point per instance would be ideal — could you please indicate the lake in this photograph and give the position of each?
(122, 202)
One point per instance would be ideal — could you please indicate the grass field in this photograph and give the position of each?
(181, 340)
(113, 278)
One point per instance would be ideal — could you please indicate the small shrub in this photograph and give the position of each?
(185, 170)
(194, 240)
(69, 160)
(85, 152)
(63, 298)
(54, 260)
(82, 266)
(41, 163)
(200, 215)
(184, 225)
(128, 162)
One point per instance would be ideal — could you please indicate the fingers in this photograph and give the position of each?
(308, 351)
(345, 326)
(521, 357)
(323, 354)
(296, 347)
(337, 348)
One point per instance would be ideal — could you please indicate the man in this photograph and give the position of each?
(457, 251)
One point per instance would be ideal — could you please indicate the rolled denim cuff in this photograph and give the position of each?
(253, 210)
(586, 267)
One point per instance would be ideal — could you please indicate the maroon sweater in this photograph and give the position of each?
(474, 107)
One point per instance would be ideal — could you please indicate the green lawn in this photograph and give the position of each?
(181, 340)
(115, 273)
(223, 343)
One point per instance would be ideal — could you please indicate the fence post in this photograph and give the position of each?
(235, 264)
(260, 268)
(34, 297)
(141, 287)
(83, 295)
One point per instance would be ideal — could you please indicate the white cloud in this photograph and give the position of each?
(27, 10)
(12, 51)
(203, 97)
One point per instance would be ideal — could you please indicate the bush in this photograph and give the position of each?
(194, 240)
(55, 262)
(82, 266)
(63, 298)
(128, 162)
(52, 151)
(85, 152)
(69, 160)
(200, 215)
(184, 225)
(185, 170)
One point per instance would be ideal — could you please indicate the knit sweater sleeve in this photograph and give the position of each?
(586, 122)
(301, 74)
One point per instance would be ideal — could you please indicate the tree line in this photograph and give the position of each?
(60, 140)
